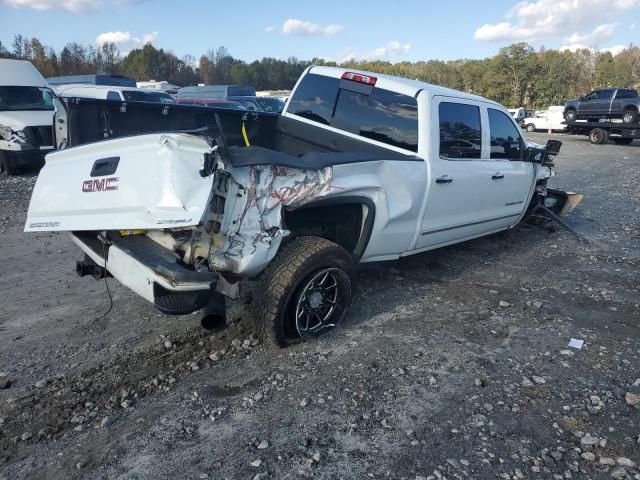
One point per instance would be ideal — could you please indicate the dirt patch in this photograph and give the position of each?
(452, 363)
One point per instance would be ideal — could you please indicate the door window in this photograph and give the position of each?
(506, 142)
(605, 94)
(591, 96)
(460, 133)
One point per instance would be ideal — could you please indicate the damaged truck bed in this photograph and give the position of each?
(181, 203)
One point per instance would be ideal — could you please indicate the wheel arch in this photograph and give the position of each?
(357, 239)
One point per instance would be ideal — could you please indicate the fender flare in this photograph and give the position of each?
(369, 220)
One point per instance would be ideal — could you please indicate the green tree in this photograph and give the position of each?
(518, 64)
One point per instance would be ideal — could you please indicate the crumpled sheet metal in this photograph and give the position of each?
(253, 223)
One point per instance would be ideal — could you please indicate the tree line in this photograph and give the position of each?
(518, 75)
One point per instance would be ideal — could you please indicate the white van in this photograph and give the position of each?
(110, 92)
(553, 119)
(26, 116)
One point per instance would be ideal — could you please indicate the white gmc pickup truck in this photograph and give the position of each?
(359, 167)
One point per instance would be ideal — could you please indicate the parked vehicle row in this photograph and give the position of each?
(26, 105)
(26, 116)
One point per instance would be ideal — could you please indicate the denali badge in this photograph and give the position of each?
(100, 185)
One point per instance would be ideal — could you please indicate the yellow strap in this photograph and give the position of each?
(244, 135)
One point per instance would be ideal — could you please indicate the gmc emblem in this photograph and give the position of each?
(101, 185)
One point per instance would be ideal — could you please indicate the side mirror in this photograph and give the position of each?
(543, 155)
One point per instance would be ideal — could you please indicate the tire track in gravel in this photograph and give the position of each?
(77, 401)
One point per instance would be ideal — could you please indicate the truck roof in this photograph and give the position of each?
(399, 84)
(112, 80)
(20, 73)
(215, 91)
(87, 87)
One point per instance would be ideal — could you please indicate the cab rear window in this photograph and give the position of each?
(314, 98)
(373, 113)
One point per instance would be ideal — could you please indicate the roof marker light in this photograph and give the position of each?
(357, 77)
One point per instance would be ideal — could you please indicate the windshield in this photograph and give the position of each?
(154, 97)
(25, 98)
(271, 104)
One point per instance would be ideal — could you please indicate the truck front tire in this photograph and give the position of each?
(629, 116)
(570, 115)
(531, 127)
(304, 292)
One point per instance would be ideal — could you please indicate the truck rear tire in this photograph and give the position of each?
(598, 136)
(304, 292)
(6, 167)
(570, 115)
(629, 116)
(531, 127)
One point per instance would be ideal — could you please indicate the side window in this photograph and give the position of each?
(385, 116)
(506, 142)
(111, 95)
(460, 135)
(627, 94)
(605, 94)
(591, 96)
(314, 98)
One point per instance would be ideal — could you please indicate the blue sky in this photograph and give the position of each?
(405, 30)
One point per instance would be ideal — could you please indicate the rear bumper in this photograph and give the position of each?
(31, 159)
(151, 271)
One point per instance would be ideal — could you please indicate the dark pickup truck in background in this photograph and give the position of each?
(608, 102)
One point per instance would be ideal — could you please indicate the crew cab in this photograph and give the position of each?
(620, 103)
(26, 117)
(359, 167)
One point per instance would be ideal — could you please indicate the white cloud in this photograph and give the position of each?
(125, 41)
(573, 47)
(294, 26)
(537, 19)
(113, 37)
(149, 37)
(632, 26)
(73, 6)
(391, 49)
(600, 34)
(614, 50)
(386, 52)
(270, 29)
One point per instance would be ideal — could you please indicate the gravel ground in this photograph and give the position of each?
(452, 364)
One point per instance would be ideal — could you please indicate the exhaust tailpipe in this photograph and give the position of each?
(214, 314)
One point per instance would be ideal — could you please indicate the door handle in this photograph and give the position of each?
(444, 179)
(497, 176)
